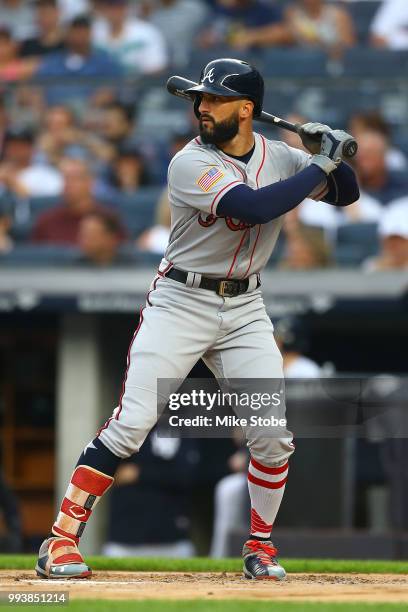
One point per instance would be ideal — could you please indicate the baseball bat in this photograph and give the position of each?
(177, 85)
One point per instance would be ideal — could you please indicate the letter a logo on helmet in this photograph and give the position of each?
(230, 78)
(209, 76)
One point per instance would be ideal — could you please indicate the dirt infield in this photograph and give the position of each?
(179, 585)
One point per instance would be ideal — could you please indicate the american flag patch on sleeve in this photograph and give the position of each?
(209, 178)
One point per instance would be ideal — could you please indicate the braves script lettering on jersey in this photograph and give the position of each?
(198, 177)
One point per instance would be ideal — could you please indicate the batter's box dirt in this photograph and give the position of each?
(179, 585)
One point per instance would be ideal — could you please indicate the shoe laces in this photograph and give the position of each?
(265, 552)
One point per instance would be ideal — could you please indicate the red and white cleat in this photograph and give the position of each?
(260, 561)
(60, 558)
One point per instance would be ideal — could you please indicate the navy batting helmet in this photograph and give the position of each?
(231, 78)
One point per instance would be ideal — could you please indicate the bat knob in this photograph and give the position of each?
(350, 148)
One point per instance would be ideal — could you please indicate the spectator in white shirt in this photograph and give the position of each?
(390, 25)
(137, 45)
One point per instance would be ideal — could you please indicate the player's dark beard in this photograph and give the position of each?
(218, 133)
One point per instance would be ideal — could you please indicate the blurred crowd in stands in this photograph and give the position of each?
(85, 138)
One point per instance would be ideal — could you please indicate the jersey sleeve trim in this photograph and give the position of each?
(237, 182)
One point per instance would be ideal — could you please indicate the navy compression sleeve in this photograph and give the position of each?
(267, 203)
(343, 186)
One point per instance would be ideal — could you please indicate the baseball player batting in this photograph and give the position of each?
(228, 190)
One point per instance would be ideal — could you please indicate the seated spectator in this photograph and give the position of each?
(18, 17)
(374, 177)
(318, 23)
(137, 45)
(50, 36)
(99, 240)
(63, 137)
(390, 25)
(245, 23)
(178, 21)
(6, 242)
(60, 225)
(81, 63)
(373, 121)
(19, 173)
(12, 67)
(393, 231)
(305, 248)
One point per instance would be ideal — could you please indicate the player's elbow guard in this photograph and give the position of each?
(349, 198)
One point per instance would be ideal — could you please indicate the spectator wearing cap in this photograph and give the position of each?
(137, 45)
(60, 225)
(50, 36)
(78, 64)
(374, 177)
(245, 23)
(6, 242)
(393, 232)
(18, 17)
(389, 28)
(99, 240)
(20, 175)
(12, 67)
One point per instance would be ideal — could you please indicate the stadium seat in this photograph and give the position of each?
(38, 205)
(356, 242)
(294, 63)
(366, 62)
(31, 208)
(39, 255)
(138, 210)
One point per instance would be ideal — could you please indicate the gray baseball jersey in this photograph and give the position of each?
(221, 247)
